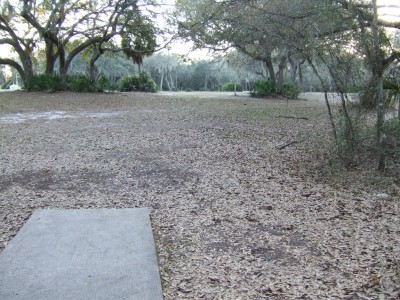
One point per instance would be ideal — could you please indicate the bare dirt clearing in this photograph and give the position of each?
(233, 216)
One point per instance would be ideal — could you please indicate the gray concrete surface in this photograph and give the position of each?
(82, 254)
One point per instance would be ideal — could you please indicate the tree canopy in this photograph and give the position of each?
(63, 29)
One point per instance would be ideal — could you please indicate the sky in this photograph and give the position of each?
(392, 10)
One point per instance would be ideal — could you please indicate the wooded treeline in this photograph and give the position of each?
(172, 72)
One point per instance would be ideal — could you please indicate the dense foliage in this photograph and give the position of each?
(232, 87)
(143, 83)
(43, 82)
(80, 83)
(263, 89)
(290, 91)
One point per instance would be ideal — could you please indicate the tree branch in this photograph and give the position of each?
(15, 65)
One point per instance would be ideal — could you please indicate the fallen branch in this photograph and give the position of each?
(290, 143)
(293, 117)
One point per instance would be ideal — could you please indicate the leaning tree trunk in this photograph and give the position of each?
(16, 66)
(25, 69)
(92, 64)
(28, 67)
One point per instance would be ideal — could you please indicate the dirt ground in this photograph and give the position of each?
(233, 216)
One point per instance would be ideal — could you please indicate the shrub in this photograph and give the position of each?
(188, 90)
(43, 82)
(230, 87)
(103, 84)
(81, 83)
(263, 89)
(129, 83)
(290, 91)
(392, 132)
(147, 84)
(134, 83)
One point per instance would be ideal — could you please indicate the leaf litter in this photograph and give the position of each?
(233, 216)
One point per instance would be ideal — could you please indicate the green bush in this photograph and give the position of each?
(290, 91)
(268, 89)
(129, 83)
(392, 132)
(134, 83)
(80, 83)
(263, 89)
(147, 84)
(188, 90)
(43, 82)
(103, 84)
(230, 87)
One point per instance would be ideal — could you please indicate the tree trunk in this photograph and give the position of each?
(349, 124)
(25, 68)
(162, 81)
(169, 85)
(176, 79)
(171, 80)
(293, 70)
(63, 66)
(281, 66)
(92, 70)
(270, 68)
(380, 125)
(398, 108)
(377, 70)
(92, 65)
(51, 57)
(26, 62)
(16, 66)
(300, 75)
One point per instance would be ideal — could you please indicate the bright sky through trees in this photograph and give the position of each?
(388, 10)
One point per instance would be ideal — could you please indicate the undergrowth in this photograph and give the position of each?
(352, 160)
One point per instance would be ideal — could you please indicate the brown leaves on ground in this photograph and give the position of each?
(233, 216)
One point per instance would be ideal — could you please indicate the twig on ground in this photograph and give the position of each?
(293, 117)
(290, 143)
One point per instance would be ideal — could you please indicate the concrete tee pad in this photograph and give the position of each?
(82, 254)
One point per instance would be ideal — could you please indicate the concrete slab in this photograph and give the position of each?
(82, 254)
